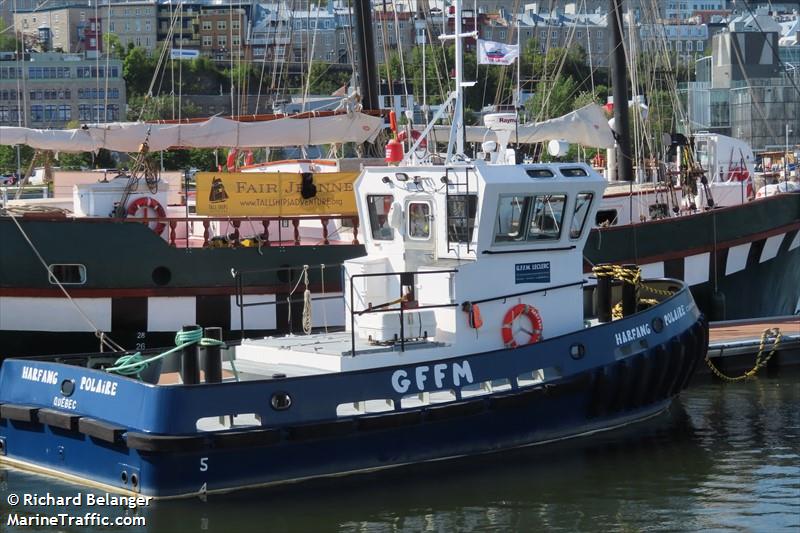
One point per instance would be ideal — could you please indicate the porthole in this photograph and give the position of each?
(281, 401)
(658, 324)
(162, 276)
(577, 351)
(67, 387)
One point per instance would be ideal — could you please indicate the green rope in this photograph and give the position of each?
(134, 364)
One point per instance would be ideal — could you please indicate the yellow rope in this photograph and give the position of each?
(760, 362)
(631, 275)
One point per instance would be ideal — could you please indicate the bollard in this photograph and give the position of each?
(213, 366)
(628, 294)
(190, 361)
(603, 298)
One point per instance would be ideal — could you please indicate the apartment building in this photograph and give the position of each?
(49, 90)
(133, 22)
(67, 26)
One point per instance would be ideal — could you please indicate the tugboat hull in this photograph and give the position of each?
(129, 436)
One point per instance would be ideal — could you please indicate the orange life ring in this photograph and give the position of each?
(415, 135)
(143, 204)
(532, 314)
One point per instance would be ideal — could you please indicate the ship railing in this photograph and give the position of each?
(9, 192)
(288, 229)
(402, 304)
(324, 277)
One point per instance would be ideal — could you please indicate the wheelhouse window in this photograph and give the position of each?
(529, 218)
(67, 274)
(461, 210)
(378, 206)
(511, 214)
(547, 217)
(419, 221)
(583, 204)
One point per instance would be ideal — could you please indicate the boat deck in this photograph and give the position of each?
(303, 355)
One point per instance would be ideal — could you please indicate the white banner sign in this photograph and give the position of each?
(492, 53)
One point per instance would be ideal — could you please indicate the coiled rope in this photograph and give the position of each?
(306, 321)
(761, 360)
(134, 364)
(631, 275)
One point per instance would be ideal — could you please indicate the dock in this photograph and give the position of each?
(735, 346)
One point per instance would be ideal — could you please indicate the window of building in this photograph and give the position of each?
(64, 113)
(221, 25)
(235, 25)
(207, 41)
(5, 116)
(206, 24)
(235, 40)
(378, 207)
(37, 113)
(222, 40)
(84, 112)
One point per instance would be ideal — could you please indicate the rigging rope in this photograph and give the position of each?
(104, 339)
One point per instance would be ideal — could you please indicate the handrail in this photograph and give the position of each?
(402, 308)
(238, 277)
(534, 291)
(236, 222)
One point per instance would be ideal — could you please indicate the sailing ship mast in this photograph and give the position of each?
(620, 92)
(367, 73)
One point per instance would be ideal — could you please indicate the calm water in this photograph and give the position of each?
(727, 458)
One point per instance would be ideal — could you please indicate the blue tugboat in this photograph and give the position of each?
(471, 329)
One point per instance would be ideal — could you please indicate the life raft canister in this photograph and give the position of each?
(529, 312)
(143, 204)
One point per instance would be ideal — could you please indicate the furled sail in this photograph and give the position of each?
(587, 126)
(306, 129)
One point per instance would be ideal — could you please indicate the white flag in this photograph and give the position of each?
(492, 53)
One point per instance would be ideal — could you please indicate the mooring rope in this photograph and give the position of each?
(761, 361)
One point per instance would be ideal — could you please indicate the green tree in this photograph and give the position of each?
(326, 78)
(8, 43)
(113, 46)
(552, 99)
(200, 158)
(8, 158)
(138, 70)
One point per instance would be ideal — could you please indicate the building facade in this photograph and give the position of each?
(50, 90)
(134, 23)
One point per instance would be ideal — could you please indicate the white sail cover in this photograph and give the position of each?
(212, 133)
(587, 126)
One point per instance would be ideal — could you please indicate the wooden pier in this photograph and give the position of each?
(737, 347)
